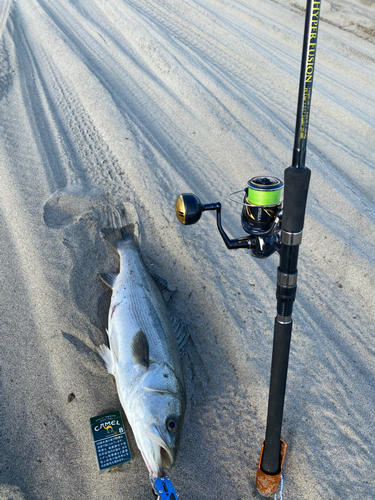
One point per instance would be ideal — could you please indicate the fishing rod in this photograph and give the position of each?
(274, 225)
(297, 178)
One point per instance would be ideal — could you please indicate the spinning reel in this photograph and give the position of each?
(261, 215)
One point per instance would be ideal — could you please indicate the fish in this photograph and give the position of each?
(144, 353)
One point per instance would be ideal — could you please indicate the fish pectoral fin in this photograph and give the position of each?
(165, 289)
(182, 335)
(140, 349)
(108, 279)
(106, 355)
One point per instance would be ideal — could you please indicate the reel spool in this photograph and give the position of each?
(261, 204)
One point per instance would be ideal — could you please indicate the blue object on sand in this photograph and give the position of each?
(165, 489)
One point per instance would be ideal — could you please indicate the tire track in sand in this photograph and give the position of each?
(130, 80)
(67, 132)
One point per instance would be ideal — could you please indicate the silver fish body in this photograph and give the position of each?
(144, 358)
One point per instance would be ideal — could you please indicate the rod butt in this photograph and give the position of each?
(267, 485)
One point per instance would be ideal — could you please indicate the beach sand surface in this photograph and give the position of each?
(109, 103)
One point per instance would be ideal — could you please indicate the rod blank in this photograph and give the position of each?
(306, 82)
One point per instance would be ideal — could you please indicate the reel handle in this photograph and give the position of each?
(189, 208)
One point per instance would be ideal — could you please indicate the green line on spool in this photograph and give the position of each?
(262, 197)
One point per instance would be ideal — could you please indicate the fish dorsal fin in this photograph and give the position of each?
(109, 279)
(165, 289)
(140, 349)
(181, 334)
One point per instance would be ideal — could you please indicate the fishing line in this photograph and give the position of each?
(281, 489)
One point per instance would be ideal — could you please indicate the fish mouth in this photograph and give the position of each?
(163, 454)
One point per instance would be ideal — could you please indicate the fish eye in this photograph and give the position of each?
(172, 424)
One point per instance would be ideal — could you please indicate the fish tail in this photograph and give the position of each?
(119, 238)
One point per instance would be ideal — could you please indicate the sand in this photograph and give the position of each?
(104, 103)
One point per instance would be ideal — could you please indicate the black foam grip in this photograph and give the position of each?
(295, 196)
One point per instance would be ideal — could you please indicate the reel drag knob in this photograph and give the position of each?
(188, 208)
